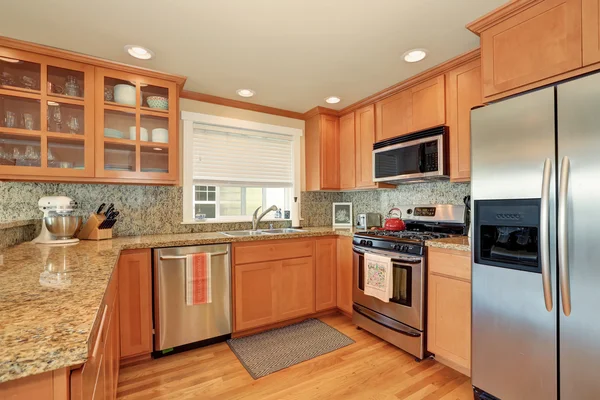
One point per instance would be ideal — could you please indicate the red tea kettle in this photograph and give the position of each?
(394, 223)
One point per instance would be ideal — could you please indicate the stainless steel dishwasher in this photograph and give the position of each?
(177, 324)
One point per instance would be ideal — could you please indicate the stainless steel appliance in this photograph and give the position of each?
(178, 324)
(402, 320)
(368, 220)
(535, 331)
(415, 157)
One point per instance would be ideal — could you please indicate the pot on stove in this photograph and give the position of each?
(394, 222)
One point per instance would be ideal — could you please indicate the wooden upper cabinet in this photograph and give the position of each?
(326, 272)
(590, 21)
(322, 153)
(347, 152)
(529, 43)
(296, 292)
(365, 135)
(463, 93)
(428, 104)
(133, 140)
(394, 116)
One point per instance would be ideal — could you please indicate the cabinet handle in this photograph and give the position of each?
(221, 253)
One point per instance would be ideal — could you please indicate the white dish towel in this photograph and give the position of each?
(379, 282)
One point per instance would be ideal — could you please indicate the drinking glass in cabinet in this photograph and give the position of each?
(65, 82)
(155, 97)
(117, 124)
(19, 74)
(64, 153)
(65, 118)
(157, 127)
(154, 159)
(20, 150)
(119, 157)
(19, 112)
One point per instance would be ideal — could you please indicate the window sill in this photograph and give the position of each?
(232, 221)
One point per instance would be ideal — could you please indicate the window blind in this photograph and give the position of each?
(228, 156)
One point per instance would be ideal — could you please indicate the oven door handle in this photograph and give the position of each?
(375, 318)
(393, 257)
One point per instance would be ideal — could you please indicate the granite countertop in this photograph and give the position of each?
(45, 324)
(461, 243)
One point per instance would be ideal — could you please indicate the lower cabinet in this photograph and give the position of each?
(326, 272)
(344, 274)
(256, 290)
(449, 308)
(296, 294)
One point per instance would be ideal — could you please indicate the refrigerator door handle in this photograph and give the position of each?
(563, 253)
(545, 235)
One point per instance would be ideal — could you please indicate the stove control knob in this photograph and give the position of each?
(404, 248)
(369, 243)
(363, 242)
(397, 247)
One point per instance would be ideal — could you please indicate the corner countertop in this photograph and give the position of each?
(461, 243)
(43, 326)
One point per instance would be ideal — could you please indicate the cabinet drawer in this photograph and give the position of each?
(451, 263)
(275, 250)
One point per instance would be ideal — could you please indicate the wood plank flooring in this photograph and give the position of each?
(368, 369)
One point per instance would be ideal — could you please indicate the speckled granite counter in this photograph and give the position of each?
(44, 323)
(454, 243)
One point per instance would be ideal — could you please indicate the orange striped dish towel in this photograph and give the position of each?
(198, 288)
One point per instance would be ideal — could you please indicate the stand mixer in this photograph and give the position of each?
(58, 225)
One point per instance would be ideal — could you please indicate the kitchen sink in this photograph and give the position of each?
(283, 231)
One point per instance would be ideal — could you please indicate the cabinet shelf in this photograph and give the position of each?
(157, 112)
(62, 98)
(155, 144)
(111, 105)
(66, 136)
(124, 142)
(6, 89)
(20, 132)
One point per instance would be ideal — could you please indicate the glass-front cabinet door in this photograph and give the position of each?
(136, 127)
(46, 116)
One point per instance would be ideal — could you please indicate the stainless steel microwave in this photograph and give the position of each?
(414, 157)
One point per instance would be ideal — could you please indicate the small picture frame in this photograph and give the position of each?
(342, 215)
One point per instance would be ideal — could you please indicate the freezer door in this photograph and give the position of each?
(579, 140)
(514, 336)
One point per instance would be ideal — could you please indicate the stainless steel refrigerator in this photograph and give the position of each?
(536, 244)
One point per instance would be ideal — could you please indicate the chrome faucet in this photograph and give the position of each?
(256, 220)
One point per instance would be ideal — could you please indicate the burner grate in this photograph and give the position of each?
(412, 235)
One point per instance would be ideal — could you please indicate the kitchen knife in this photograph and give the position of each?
(101, 208)
(110, 208)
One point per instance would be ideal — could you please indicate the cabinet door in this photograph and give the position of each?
(326, 271)
(135, 302)
(394, 116)
(296, 293)
(344, 274)
(590, 22)
(428, 104)
(449, 320)
(365, 131)
(540, 42)
(347, 152)
(330, 152)
(256, 288)
(464, 93)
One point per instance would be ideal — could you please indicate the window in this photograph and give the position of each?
(232, 167)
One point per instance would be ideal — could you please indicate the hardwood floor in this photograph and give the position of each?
(368, 369)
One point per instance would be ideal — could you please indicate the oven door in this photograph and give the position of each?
(406, 305)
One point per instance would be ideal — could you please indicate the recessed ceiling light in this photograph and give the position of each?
(245, 92)
(415, 55)
(157, 149)
(10, 60)
(139, 52)
(53, 103)
(333, 99)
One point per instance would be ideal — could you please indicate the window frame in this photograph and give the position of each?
(189, 201)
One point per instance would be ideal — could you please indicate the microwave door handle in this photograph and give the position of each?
(544, 234)
(563, 238)
(421, 155)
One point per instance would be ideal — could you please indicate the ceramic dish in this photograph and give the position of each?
(159, 102)
(125, 94)
(143, 133)
(113, 133)
(160, 135)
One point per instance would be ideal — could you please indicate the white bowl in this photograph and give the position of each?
(143, 133)
(160, 135)
(125, 94)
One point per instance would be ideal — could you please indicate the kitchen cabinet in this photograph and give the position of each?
(326, 272)
(256, 290)
(428, 104)
(296, 291)
(463, 93)
(526, 44)
(394, 116)
(347, 152)
(135, 142)
(344, 274)
(449, 308)
(590, 25)
(322, 152)
(135, 302)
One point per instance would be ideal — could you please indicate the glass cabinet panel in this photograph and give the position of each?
(20, 113)
(66, 154)
(157, 129)
(155, 97)
(119, 157)
(20, 150)
(20, 74)
(65, 82)
(65, 118)
(119, 124)
(119, 91)
(154, 159)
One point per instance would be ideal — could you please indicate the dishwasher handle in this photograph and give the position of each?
(221, 253)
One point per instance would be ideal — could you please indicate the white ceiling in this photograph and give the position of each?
(292, 53)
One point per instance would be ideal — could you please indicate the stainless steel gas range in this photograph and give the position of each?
(402, 321)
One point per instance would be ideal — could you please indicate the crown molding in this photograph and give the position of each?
(500, 14)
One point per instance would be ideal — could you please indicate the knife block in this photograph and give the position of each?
(90, 230)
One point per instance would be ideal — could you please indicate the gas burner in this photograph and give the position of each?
(409, 235)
